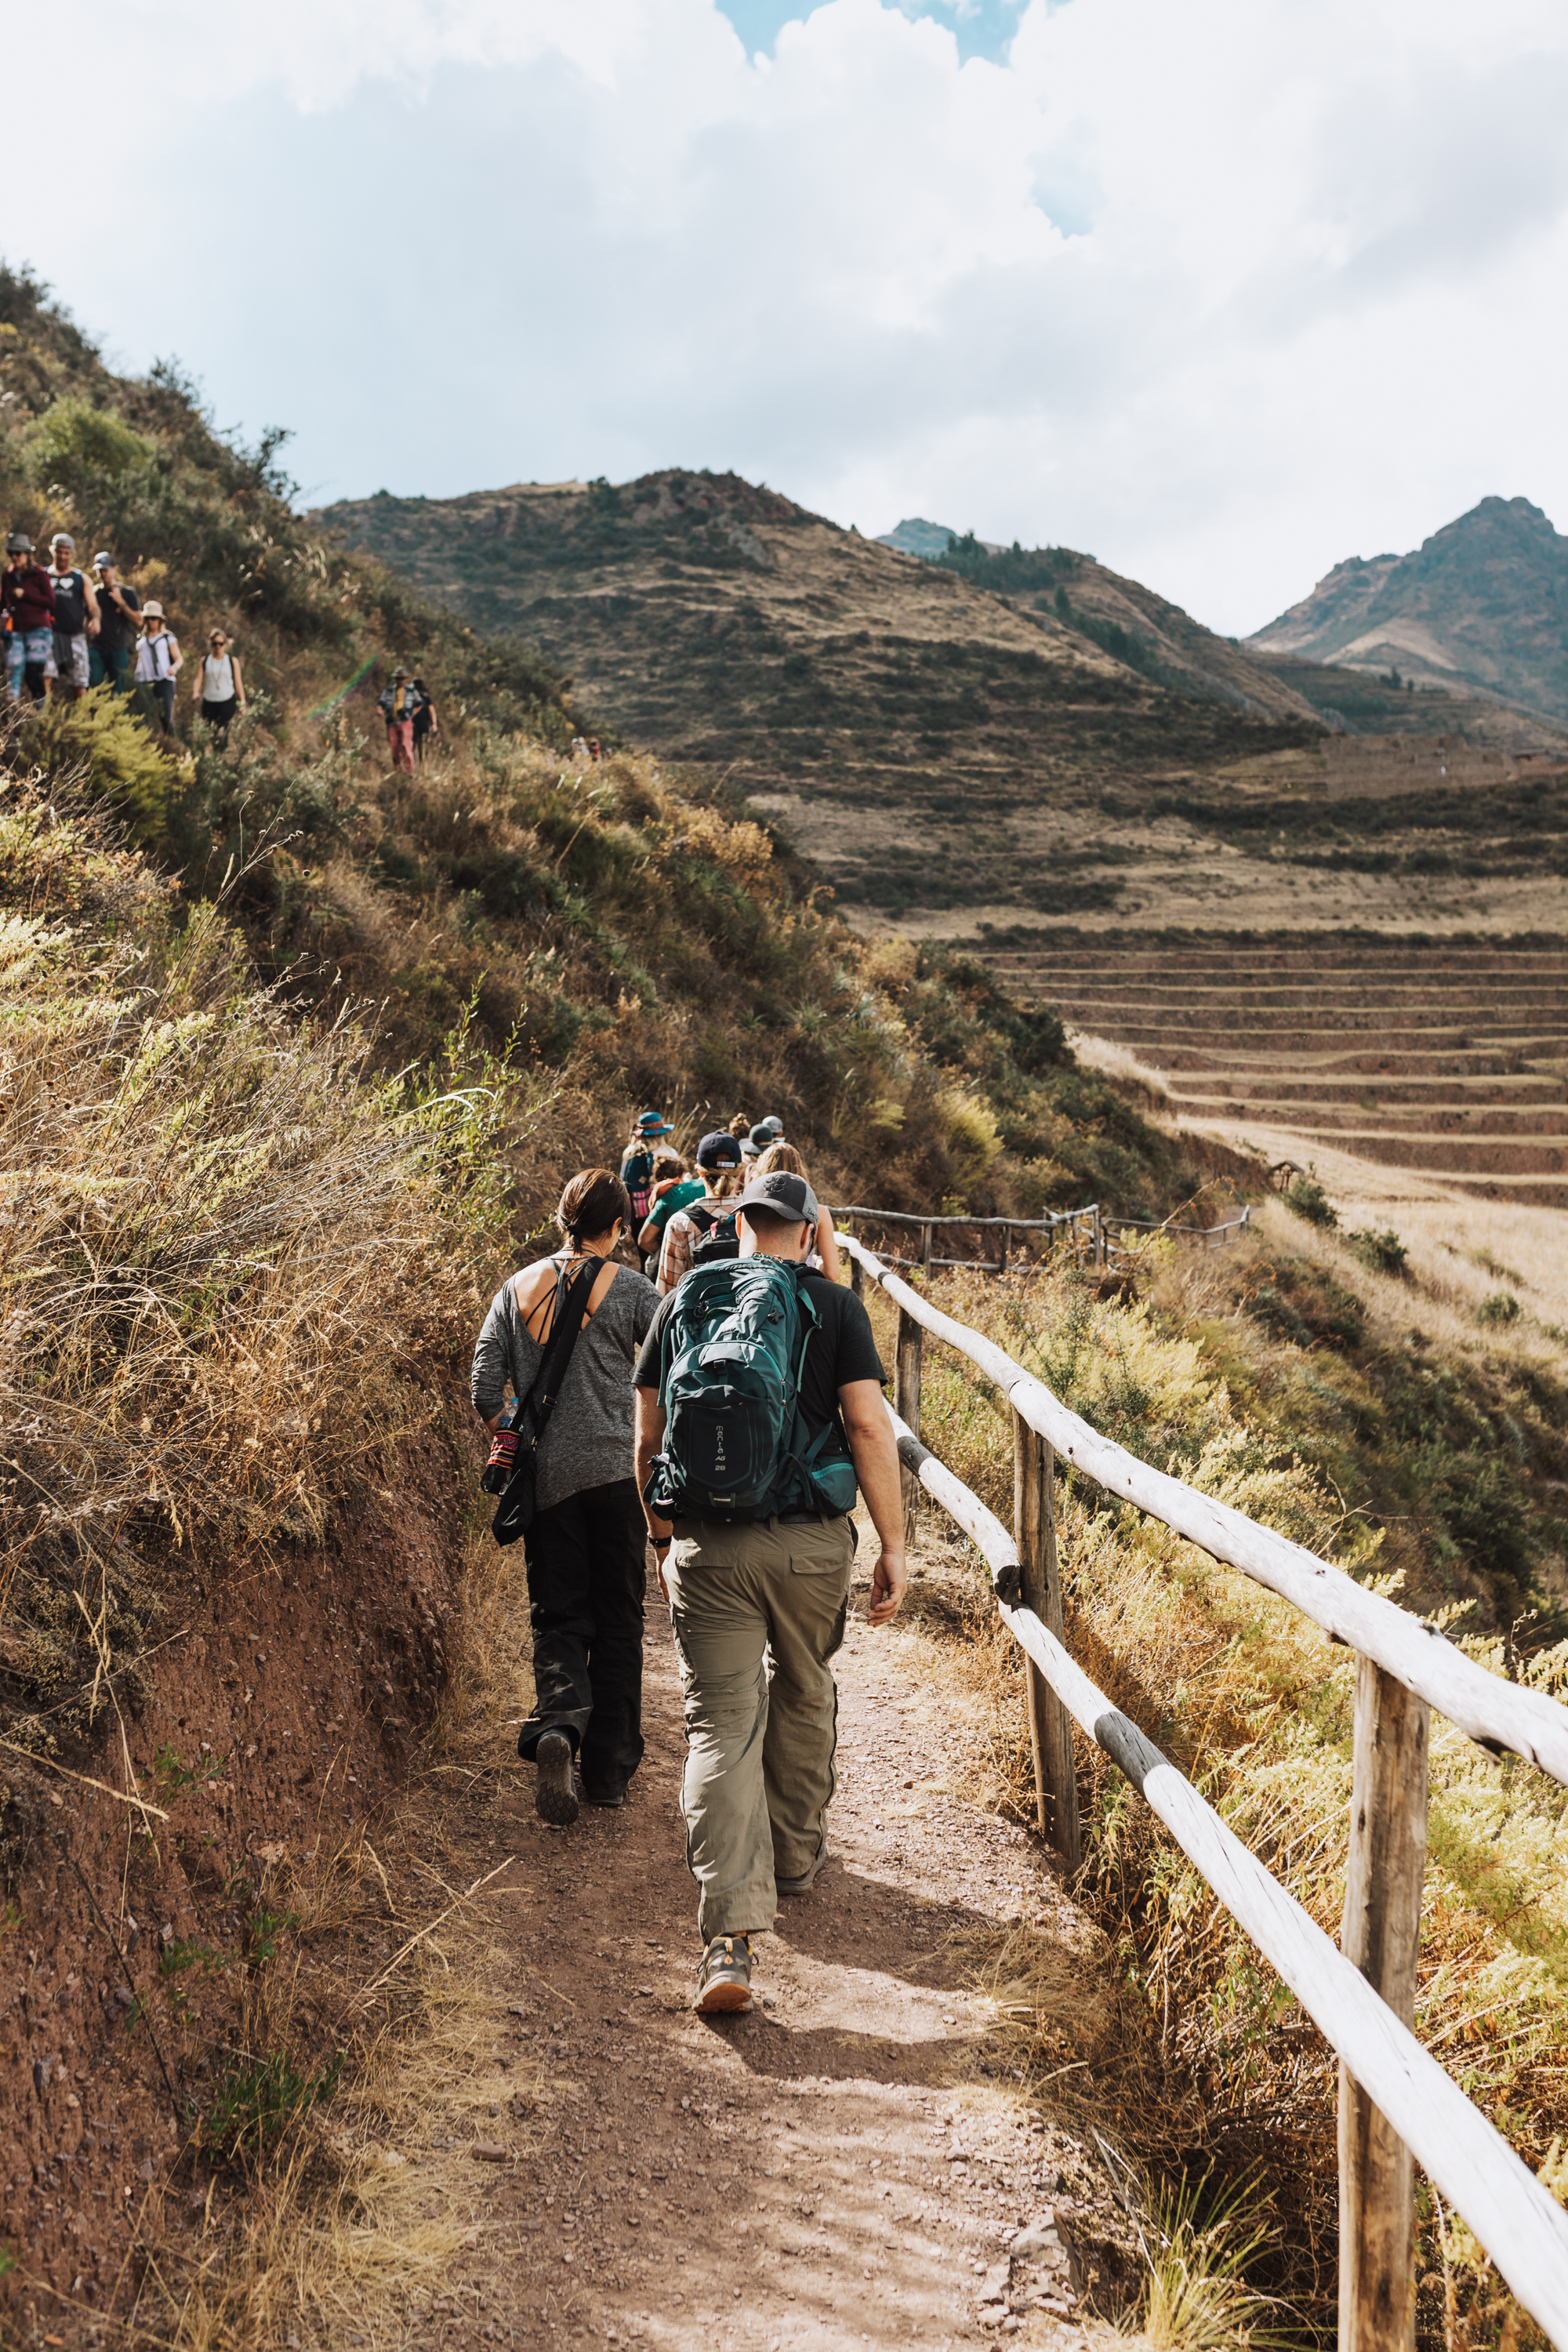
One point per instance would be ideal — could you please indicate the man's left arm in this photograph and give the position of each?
(876, 1458)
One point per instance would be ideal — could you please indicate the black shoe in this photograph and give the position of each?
(555, 1796)
(609, 1799)
(724, 1979)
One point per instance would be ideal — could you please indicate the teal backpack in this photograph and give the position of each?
(735, 1445)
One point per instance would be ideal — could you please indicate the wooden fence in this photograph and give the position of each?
(1396, 2104)
(1092, 1237)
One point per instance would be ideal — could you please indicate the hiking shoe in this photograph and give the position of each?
(610, 1800)
(724, 1979)
(555, 1796)
(807, 1879)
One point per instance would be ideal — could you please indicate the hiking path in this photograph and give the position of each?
(849, 2163)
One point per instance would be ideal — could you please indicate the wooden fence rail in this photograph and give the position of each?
(1092, 1233)
(1395, 2101)
(1497, 1715)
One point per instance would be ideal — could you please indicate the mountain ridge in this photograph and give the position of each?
(1482, 603)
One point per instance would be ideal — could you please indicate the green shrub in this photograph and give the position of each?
(1381, 1253)
(254, 2104)
(77, 445)
(99, 744)
(1500, 1307)
(1307, 1197)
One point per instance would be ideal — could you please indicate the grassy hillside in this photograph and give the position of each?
(916, 728)
(995, 739)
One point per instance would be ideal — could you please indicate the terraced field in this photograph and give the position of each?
(1451, 1059)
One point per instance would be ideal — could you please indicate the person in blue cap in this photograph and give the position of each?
(636, 1163)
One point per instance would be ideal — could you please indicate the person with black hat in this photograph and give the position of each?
(28, 601)
(748, 1484)
(706, 1228)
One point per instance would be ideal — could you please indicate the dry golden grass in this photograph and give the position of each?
(1118, 1062)
(223, 1239)
(369, 2198)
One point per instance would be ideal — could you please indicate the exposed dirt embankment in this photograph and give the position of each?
(279, 1713)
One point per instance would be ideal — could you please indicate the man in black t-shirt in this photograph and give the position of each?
(119, 622)
(76, 618)
(759, 1609)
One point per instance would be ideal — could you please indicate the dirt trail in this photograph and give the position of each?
(843, 2167)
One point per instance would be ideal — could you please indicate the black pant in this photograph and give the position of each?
(218, 714)
(586, 1577)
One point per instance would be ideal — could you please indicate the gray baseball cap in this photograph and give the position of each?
(779, 1194)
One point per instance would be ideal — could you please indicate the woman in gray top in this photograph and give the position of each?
(585, 1548)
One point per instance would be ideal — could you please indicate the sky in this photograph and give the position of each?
(1220, 291)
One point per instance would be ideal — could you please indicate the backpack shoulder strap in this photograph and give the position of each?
(571, 1298)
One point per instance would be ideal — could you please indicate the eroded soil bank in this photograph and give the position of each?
(271, 1723)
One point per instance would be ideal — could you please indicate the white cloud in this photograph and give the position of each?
(1222, 289)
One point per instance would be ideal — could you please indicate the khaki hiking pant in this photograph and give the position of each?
(758, 1611)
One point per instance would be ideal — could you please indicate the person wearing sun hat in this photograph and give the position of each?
(636, 1163)
(158, 662)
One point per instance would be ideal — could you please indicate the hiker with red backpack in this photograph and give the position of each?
(636, 1163)
(759, 1413)
(704, 1228)
(565, 1332)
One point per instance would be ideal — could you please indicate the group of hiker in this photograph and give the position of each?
(722, 1417)
(411, 718)
(675, 1208)
(67, 631)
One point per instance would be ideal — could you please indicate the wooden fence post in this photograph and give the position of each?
(907, 1405)
(1381, 1934)
(925, 1263)
(857, 1277)
(1050, 1726)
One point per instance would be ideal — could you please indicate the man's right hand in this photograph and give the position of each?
(890, 1582)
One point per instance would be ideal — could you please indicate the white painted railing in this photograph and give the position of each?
(1395, 2101)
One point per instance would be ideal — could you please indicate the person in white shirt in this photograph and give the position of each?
(158, 662)
(219, 689)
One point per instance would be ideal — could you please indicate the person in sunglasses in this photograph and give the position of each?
(218, 691)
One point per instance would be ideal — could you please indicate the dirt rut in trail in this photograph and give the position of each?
(843, 2167)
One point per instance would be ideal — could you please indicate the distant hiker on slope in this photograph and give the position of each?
(219, 689)
(398, 704)
(585, 1547)
(822, 1256)
(28, 601)
(748, 1488)
(426, 720)
(706, 1229)
(119, 619)
(76, 618)
(636, 1163)
(158, 663)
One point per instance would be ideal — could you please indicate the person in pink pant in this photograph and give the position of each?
(398, 704)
